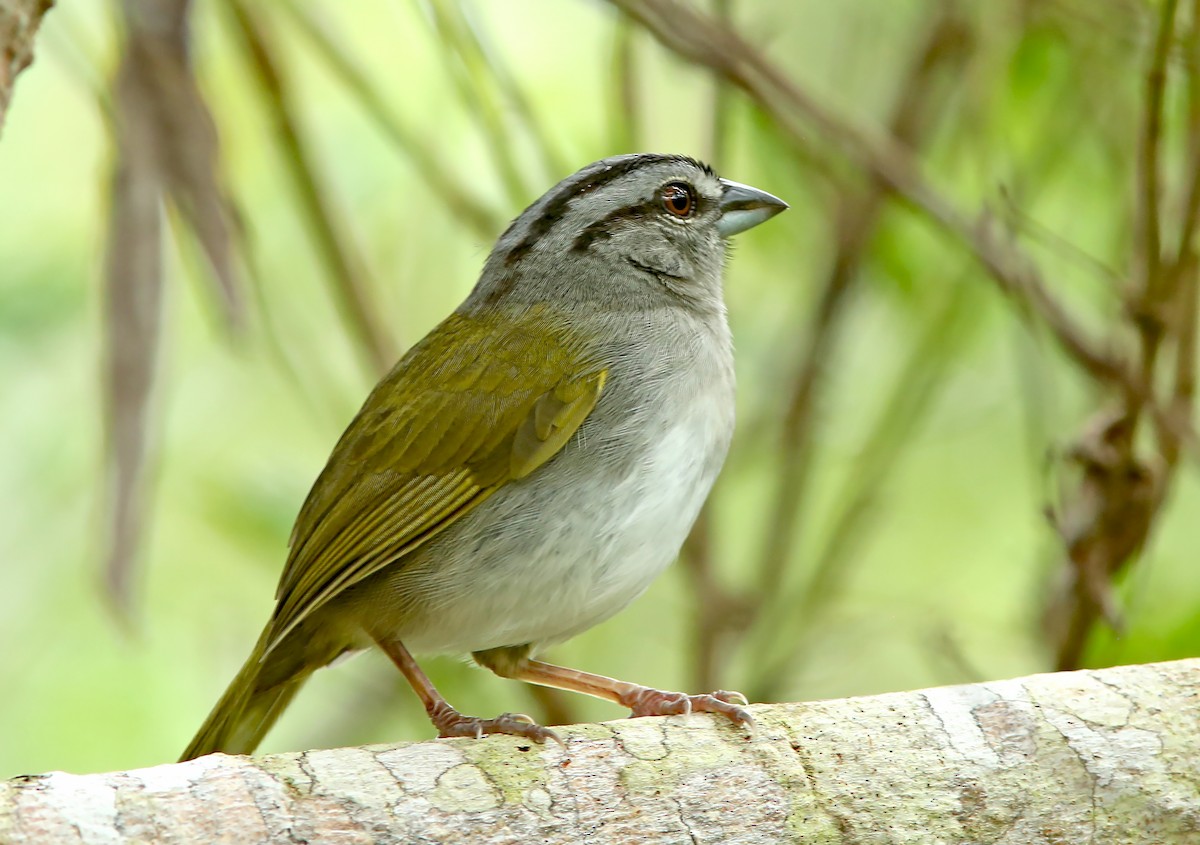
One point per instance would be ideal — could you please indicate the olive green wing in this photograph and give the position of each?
(470, 408)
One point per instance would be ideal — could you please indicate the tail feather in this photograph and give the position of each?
(240, 720)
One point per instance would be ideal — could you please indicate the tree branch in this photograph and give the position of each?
(19, 21)
(1107, 756)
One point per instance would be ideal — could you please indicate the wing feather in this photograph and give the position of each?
(470, 408)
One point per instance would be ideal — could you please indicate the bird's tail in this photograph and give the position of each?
(246, 711)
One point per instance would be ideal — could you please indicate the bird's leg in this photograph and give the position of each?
(449, 721)
(642, 701)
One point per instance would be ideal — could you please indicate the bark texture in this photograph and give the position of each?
(19, 21)
(1109, 756)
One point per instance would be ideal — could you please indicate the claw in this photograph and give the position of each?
(650, 702)
(731, 697)
(451, 723)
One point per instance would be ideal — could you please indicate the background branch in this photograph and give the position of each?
(724, 51)
(1115, 490)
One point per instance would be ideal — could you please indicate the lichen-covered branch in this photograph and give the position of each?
(19, 21)
(1108, 756)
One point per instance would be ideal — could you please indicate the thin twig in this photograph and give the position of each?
(699, 39)
(1109, 516)
(914, 114)
(718, 136)
(81, 59)
(1026, 224)
(446, 186)
(1184, 266)
(711, 621)
(351, 286)
(625, 119)
(477, 88)
(1191, 206)
(303, 380)
(1148, 225)
(787, 626)
(553, 162)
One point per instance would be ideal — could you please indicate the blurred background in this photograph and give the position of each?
(965, 357)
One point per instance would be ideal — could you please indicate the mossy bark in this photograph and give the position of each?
(1108, 756)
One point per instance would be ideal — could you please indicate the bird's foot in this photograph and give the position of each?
(651, 702)
(451, 723)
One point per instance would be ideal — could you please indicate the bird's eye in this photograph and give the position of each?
(677, 198)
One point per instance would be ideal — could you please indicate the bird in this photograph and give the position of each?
(530, 466)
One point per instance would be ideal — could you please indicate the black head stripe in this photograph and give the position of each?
(585, 182)
(602, 229)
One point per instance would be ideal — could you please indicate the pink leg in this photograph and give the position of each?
(449, 721)
(642, 701)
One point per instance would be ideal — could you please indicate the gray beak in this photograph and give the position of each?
(744, 207)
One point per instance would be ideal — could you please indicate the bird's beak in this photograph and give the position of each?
(743, 207)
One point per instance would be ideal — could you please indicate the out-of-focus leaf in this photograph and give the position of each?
(183, 141)
(133, 319)
(189, 139)
(166, 145)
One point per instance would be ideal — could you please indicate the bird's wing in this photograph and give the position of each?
(473, 406)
